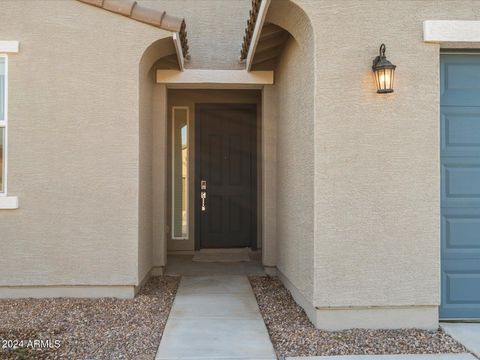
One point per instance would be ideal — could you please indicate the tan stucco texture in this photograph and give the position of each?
(73, 144)
(215, 29)
(356, 174)
(294, 109)
(376, 212)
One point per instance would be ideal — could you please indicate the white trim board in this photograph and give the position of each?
(173, 237)
(8, 202)
(9, 46)
(262, 14)
(440, 31)
(178, 49)
(5, 204)
(214, 77)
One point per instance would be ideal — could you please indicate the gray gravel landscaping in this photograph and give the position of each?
(104, 328)
(292, 333)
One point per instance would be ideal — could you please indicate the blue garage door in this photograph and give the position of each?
(460, 186)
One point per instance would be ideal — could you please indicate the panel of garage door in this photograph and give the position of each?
(460, 186)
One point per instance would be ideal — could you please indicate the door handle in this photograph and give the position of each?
(203, 196)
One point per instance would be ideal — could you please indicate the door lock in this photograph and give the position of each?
(203, 196)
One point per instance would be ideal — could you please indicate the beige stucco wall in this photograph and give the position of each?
(149, 197)
(376, 191)
(145, 183)
(74, 154)
(357, 173)
(269, 177)
(294, 107)
(159, 174)
(215, 29)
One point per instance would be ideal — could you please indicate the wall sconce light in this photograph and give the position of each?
(384, 72)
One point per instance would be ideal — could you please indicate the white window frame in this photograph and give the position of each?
(4, 126)
(7, 202)
(173, 173)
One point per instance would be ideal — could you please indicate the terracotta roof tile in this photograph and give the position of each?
(148, 16)
(153, 17)
(122, 7)
(252, 19)
(98, 3)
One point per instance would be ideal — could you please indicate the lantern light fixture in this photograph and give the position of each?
(384, 72)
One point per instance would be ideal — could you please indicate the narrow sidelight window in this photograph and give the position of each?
(180, 163)
(3, 123)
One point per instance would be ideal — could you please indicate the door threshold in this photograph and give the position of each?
(224, 250)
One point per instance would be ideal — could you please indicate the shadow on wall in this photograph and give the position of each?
(150, 142)
(296, 172)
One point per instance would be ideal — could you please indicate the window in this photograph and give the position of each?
(3, 124)
(180, 172)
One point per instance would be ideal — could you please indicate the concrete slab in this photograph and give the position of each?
(220, 358)
(215, 338)
(227, 306)
(390, 357)
(215, 318)
(222, 255)
(230, 284)
(467, 334)
(183, 265)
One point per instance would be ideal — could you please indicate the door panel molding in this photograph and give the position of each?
(204, 107)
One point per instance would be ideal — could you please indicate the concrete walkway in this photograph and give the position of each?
(390, 357)
(217, 318)
(468, 334)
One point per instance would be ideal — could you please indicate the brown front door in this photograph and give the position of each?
(225, 181)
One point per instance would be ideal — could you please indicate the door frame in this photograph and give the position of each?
(253, 153)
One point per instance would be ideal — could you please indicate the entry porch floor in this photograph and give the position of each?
(184, 266)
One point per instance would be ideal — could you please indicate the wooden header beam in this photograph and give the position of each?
(214, 77)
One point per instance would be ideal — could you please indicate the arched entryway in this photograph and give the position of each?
(161, 54)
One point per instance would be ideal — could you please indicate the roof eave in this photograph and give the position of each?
(262, 14)
(178, 48)
(156, 18)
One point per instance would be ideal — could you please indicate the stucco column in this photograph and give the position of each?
(269, 176)
(159, 173)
